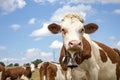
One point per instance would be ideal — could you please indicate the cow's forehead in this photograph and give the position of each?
(72, 15)
(70, 24)
(72, 20)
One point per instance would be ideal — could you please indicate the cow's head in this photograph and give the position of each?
(72, 29)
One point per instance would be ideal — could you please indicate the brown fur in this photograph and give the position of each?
(90, 28)
(103, 56)
(117, 50)
(2, 69)
(113, 56)
(17, 72)
(51, 72)
(110, 53)
(86, 53)
(54, 28)
(43, 70)
(62, 54)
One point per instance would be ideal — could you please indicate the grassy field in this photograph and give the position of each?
(35, 75)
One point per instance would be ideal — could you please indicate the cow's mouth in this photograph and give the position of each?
(72, 61)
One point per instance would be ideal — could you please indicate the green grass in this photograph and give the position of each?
(35, 75)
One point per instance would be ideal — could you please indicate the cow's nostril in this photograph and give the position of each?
(70, 43)
(79, 43)
(74, 43)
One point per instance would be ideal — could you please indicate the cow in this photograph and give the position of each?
(24, 73)
(91, 59)
(53, 71)
(2, 72)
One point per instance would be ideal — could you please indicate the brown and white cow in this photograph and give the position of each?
(23, 73)
(53, 71)
(2, 72)
(93, 60)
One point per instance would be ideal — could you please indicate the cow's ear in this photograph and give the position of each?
(90, 28)
(54, 28)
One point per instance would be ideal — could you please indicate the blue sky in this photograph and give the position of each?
(23, 26)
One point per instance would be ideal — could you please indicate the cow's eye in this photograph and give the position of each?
(82, 30)
(64, 31)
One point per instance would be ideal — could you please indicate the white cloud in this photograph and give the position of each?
(41, 32)
(109, 1)
(15, 27)
(8, 61)
(81, 9)
(39, 1)
(32, 21)
(28, 56)
(43, 1)
(117, 11)
(79, 1)
(95, 1)
(11, 5)
(56, 44)
(112, 37)
(115, 44)
(98, 20)
(118, 44)
(37, 39)
(2, 47)
(35, 53)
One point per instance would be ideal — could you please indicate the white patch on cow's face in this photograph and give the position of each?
(32, 66)
(72, 30)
